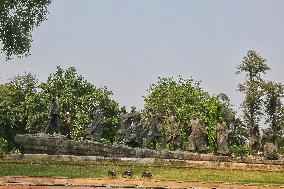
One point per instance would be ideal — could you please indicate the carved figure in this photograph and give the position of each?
(222, 137)
(54, 118)
(175, 133)
(196, 139)
(254, 139)
(133, 136)
(270, 151)
(125, 123)
(154, 133)
(269, 141)
(94, 130)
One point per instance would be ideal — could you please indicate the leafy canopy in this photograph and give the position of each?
(183, 98)
(18, 18)
(24, 105)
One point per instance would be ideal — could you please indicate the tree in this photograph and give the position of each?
(183, 98)
(253, 65)
(24, 105)
(18, 18)
(77, 98)
(14, 107)
(274, 109)
(237, 131)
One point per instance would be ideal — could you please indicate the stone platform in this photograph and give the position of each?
(59, 148)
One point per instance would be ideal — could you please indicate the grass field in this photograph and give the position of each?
(163, 173)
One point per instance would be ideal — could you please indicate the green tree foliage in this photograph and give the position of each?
(24, 105)
(254, 67)
(273, 105)
(184, 98)
(274, 110)
(77, 98)
(14, 106)
(18, 18)
(238, 133)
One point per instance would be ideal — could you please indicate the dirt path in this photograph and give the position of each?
(80, 183)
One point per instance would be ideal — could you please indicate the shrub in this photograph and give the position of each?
(239, 150)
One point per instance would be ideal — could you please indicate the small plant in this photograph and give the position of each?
(239, 150)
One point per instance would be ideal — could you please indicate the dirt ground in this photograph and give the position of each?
(80, 183)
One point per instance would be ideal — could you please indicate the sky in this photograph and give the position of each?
(127, 44)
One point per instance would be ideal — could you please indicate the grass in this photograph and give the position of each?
(163, 173)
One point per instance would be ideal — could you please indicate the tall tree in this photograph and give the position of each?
(18, 18)
(254, 67)
(274, 110)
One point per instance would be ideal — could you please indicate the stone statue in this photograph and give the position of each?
(254, 139)
(54, 118)
(125, 123)
(196, 139)
(154, 123)
(270, 151)
(175, 133)
(222, 137)
(94, 130)
(133, 136)
(269, 141)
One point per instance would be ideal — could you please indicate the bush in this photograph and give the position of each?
(239, 150)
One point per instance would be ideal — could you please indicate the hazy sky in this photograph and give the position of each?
(127, 44)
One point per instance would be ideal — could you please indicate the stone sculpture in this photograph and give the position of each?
(94, 130)
(269, 141)
(270, 151)
(196, 139)
(175, 133)
(54, 118)
(125, 123)
(222, 137)
(133, 137)
(254, 139)
(154, 133)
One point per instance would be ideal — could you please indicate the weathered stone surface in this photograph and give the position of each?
(60, 145)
